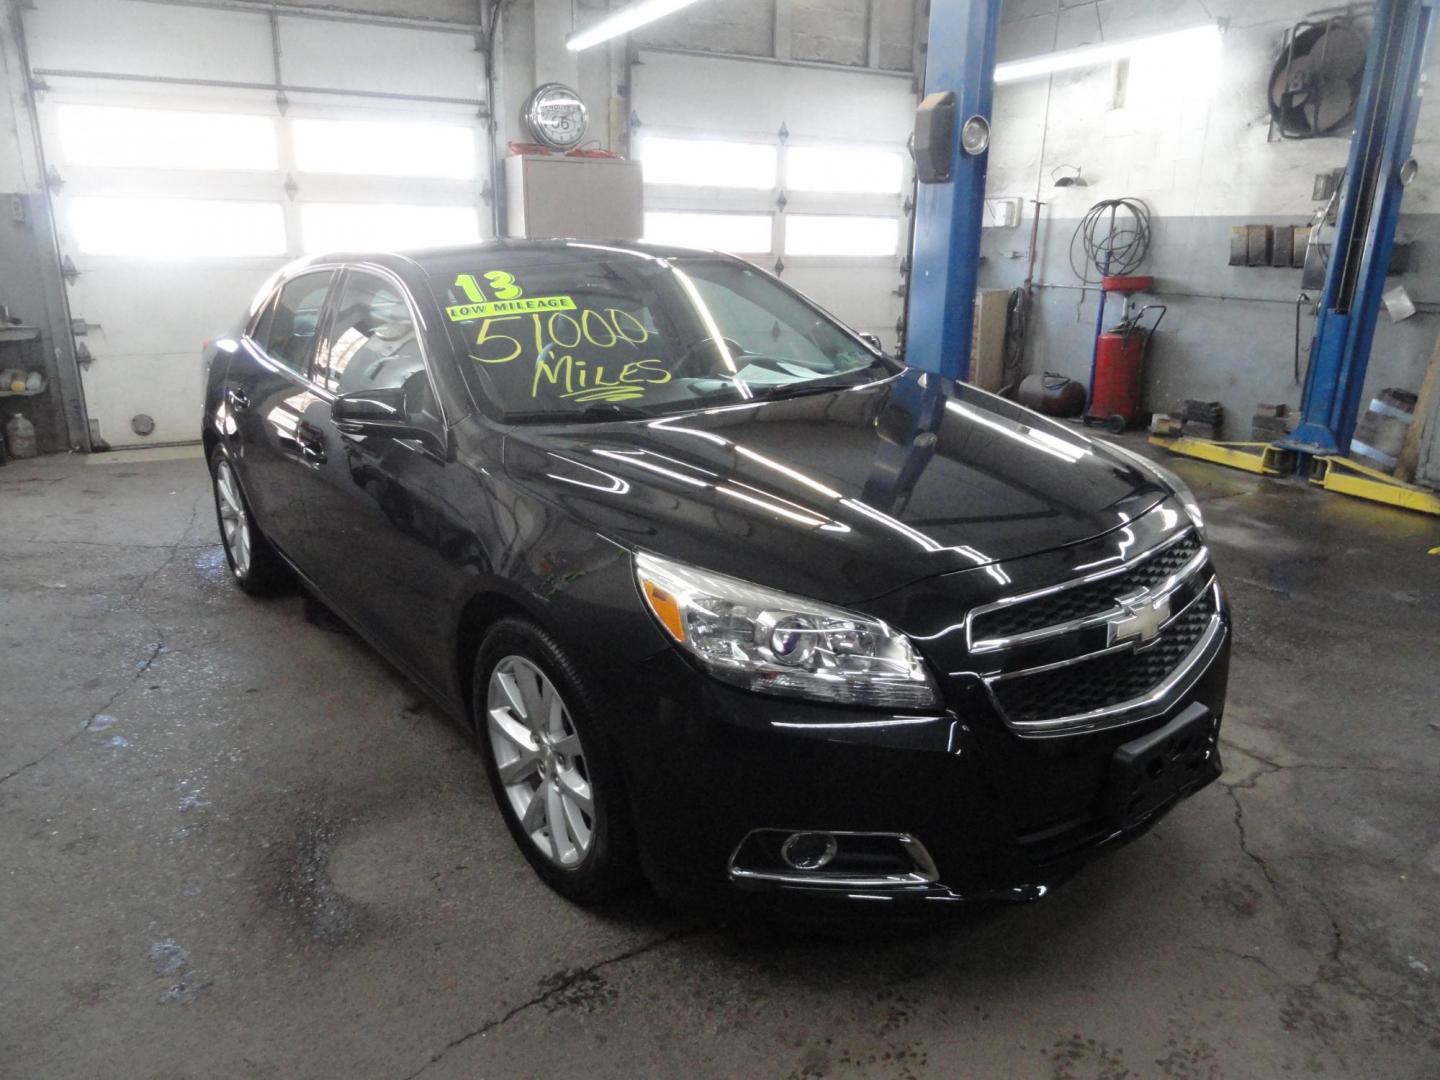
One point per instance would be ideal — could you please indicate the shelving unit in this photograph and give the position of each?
(19, 336)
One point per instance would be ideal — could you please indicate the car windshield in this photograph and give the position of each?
(610, 332)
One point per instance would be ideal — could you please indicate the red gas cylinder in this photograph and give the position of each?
(1115, 399)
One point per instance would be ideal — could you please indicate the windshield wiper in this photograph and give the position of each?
(805, 387)
(600, 410)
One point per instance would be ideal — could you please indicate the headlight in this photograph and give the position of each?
(773, 643)
(1170, 480)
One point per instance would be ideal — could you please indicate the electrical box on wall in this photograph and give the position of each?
(584, 197)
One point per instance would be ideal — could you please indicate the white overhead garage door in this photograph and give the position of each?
(186, 177)
(799, 169)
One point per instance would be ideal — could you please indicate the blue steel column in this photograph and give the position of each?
(960, 56)
(1365, 230)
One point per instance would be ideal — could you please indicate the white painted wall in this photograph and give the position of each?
(1190, 142)
(1196, 150)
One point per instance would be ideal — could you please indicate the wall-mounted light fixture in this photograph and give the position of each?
(623, 21)
(1068, 176)
(1196, 38)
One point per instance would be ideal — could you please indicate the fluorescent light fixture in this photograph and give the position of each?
(1178, 41)
(623, 21)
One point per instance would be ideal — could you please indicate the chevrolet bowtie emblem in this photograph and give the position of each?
(1138, 621)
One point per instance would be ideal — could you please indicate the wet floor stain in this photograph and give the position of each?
(1232, 895)
(305, 894)
(1080, 1058)
(576, 989)
(183, 984)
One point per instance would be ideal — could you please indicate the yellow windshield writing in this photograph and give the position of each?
(513, 325)
(582, 381)
(522, 306)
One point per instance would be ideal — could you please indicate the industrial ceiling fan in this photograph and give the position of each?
(1315, 82)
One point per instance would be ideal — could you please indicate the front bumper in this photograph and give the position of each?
(1003, 817)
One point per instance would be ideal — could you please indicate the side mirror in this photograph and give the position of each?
(365, 412)
(382, 412)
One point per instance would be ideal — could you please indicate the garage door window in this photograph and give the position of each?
(838, 235)
(745, 234)
(855, 170)
(292, 326)
(708, 163)
(176, 228)
(379, 148)
(106, 135)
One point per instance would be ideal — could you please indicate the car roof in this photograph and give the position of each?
(515, 252)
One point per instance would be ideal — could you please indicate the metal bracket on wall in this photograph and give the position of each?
(68, 270)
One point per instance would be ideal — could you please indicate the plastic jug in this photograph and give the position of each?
(20, 437)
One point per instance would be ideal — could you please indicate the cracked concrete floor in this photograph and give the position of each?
(235, 843)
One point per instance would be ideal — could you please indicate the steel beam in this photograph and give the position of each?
(945, 262)
(1365, 230)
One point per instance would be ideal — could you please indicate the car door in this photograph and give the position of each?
(381, 529)
(267, 391)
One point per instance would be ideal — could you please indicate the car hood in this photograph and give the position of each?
(839, 496)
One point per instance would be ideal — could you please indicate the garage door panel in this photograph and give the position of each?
(149, 39)
(863, 297)
(845, 136)
(154, 309)
(344, 56)
(163, 386)
(731, 95)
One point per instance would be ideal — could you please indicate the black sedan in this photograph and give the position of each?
(730, 599)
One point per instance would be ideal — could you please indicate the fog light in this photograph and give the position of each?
(808, 850)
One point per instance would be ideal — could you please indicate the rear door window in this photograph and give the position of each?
(259, 327)
(288, 330)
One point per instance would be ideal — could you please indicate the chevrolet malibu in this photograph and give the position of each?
(731, 601)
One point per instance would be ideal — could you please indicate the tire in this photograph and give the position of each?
(1116, 424)
(565, 755)
(255, 565)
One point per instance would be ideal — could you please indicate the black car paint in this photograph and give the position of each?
(913, 499)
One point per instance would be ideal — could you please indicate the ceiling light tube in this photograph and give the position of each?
(623, 21)
(1105, 52)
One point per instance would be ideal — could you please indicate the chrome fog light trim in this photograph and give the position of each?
(914, 866)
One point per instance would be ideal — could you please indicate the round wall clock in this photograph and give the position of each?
(556, 116)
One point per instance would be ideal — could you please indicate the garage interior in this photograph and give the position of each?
(237, 842)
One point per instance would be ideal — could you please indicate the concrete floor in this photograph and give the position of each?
(233, 842)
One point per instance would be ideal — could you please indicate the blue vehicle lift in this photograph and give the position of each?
(950, 206)
(1379, 167)
(951, 158)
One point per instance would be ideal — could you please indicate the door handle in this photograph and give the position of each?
(311, 441)
(238, 401)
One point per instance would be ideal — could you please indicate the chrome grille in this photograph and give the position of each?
(1107, 679)
(1083, 600)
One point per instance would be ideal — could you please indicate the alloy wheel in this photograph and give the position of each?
(540, 762)
(234, 522)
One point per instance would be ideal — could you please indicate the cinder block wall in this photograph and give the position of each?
(1191, 141)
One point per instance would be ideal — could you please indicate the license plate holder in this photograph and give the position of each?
(1150, 772)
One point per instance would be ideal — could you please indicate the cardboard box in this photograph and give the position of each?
(987, 344)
